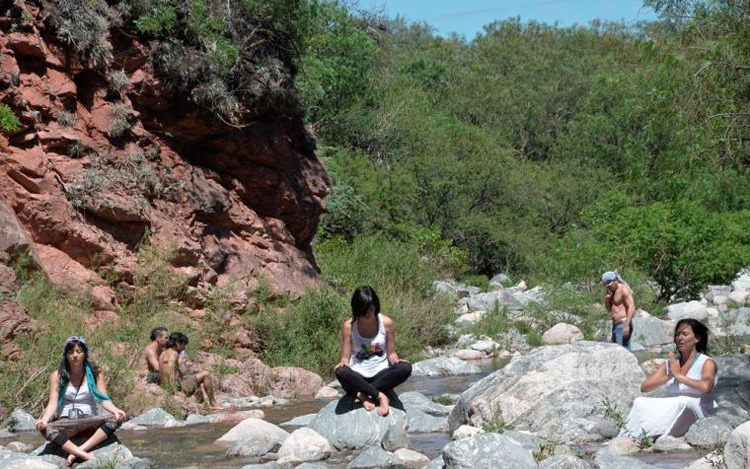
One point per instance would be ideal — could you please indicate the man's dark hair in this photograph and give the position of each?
(177, 338)
(157, 331)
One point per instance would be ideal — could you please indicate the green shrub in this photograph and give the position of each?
(84, 26)
(119, 124)
(118, 82)
(9, 123)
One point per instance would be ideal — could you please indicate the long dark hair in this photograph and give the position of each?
(64, 369)
(177, 338)
(699, 330)
(363, 298)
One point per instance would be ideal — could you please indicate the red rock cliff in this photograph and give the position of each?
(94, 172)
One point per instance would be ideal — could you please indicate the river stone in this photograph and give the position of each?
(487, 451)
(156, 417)
(670, 444)
(115, 455)
(652, 332)
(267, 465)
(437, 463)
(485, 346)
(690, 309)
(556, 391)
(466, 431)
(375, 457)
(529, 441)
(20, 421)
(418, 401)
(737, 449)
(301, 421)
(19, 447)
(412, 459)
(564, 461)
(607, 460)
(195, 419)
(30, 463)
(443, 366)
(312, 465)
(739, 296)
(327, 392)
(7, 456)
(347, 425)
(306, 445)
(424, 415)
(708, 432)
(562, 333)
(469, 355)
(253, 437)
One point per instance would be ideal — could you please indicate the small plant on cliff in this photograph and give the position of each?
(611, 412)
(496, 424)
(118, 82)
(84, 25)
(119, 124)
(9, 123)
(66, 119)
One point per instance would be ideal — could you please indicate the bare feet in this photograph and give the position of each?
(366, 402)
(72, 458)
(383, 408)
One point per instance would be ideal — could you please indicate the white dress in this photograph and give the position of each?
(673, 415)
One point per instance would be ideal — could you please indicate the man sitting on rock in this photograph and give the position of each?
(171, 375)
(621, 306)
(159, 338)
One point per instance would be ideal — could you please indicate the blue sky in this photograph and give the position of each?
(467, 17)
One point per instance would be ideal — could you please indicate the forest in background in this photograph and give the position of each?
(544, 152)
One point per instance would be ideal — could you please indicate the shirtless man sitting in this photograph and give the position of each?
(189, 383)
(159, 338)
(621, 306)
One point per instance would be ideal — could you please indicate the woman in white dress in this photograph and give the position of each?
(690, 378)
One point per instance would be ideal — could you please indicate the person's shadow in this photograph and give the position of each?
(349, 403)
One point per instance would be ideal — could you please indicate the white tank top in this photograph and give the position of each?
(675, 388)
(368, 355)
(78, 398)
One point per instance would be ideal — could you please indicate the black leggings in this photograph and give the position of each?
(384, 381)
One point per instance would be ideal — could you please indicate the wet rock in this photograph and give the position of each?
(556, 392)
(564, 461)
(690, 309)
(708, 432)
(443, 366)
(670, 444)
(412, 459)
(347, 425)
(157, 417)
(253, 437)
(20, 421)
(375, 457)
(305, 444)
(487, 451)
(737, 449)
(327, 392)
(562, 333)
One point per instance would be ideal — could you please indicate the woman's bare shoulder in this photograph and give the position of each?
(386, 320)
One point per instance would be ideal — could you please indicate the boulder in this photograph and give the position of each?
(253, 437)
(469, 319)
(157, 417)
(424, 415)
(562, 333)
(30, 463)
(487, 451)
(327, 392)
(742, 282)
(301, 421)
(19, 447)
(412, 459)
(347, 425)
(14, 322)
(564, 461)
(485, 346)
(20, 421)
(529, 441)
(670, 444)
(736, 322)
(494, 299)
(8, 457)
(708, 432)
(13, 237)
(535, 295)
(739, 296)
(305, 444)
(442, 366)
(446, 288)
(557, 392)
(437, 463)
(376, 458)
(115, 455)
(732, 391)
(717, 291)
(649, 366)
(690, 309)
(737, 449)
(500, 280)
(653, 332)
(614, 461)
(469, 355)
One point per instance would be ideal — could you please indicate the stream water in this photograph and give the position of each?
(193, 447)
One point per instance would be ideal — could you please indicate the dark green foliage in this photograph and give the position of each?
(8, 121)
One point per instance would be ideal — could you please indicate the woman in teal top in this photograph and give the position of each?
(74, 389)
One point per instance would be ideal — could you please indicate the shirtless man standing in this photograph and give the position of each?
(189, 383)
(159, 337)
(621, 307)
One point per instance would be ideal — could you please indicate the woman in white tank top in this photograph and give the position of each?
(690, 382)
(370, 367)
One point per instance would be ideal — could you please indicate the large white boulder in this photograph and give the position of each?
(690, 309)
(562, 333)
(487, 451)
(305, 444)
(557, 392)
(253, 437)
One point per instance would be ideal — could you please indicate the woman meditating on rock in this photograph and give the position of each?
(690, 378)
(74, 389)
(370, 367)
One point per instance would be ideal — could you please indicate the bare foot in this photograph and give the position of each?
(71, 459)
(366, 402)
(383, 408)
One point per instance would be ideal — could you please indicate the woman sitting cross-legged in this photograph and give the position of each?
(690, 380)
(74, 389)
(370, 367)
